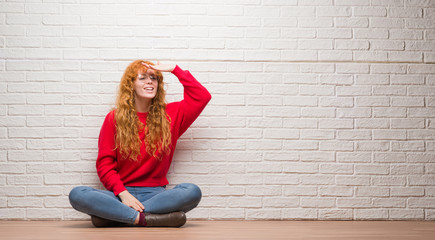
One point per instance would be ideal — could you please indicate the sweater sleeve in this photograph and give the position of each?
(106, 160)
(195, 99)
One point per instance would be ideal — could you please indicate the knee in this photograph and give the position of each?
(76, 194)
(194, 192)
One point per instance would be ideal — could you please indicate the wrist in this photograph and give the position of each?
(123, 193)
(173, 68)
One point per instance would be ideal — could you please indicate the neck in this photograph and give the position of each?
(142, 104)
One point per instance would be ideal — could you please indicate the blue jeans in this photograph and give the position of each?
(104, 204)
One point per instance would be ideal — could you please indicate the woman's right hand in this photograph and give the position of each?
(131, 201)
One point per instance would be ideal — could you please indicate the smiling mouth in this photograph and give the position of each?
(149, 88)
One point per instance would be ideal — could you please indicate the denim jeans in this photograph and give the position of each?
(101, 203)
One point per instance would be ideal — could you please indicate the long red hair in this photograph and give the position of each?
(157, 130)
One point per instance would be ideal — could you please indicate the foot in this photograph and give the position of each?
(101, 222)
(173, 219)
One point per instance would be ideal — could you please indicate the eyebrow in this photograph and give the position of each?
(146, 74)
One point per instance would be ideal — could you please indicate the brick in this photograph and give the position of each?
(353, 202)
(316, 134)
(402, 214)
(223, 168)
(335, 214)
(353, 134)
(49, 31)
(300, 191)
(408, 146)
(245, 133)
(44, 191)
(12, 144)
(299, 213)
(44, 99)
(421, 202)
(263, 191)
(46, 214)
(429, 214)
(305, 2)
(316, 180)
(389, 202)
(408, 169)
(356, 112)
(222, 213)
(317, 202)
(263, 214)
(245, 179)
(44, 168)
(12, 191)
(231, 190)
(24, 180)
(352, 180)
(285, 179)
(213, 202)
(316, 113)
(25, 110)
(24, 202)
(300, 123)
(56, 179)
(239, 156)
(421, 180)
(370, 11)
(317, 156)
(26, 132)
(300, 168)
(353, 157)
(372, 169)
(299, 55)
(244, 202)
(281, 156)
(12, 213)
(20, 19)
(334, 11)
(11, 168)
(371, 123)
(228, 144)
(407, 191)
(61, 155)
(335, 191)
(57, 202)
(371, 214)
(388, 181)
(263, 168)
(389, 112)
(372, 146)
(264, 144)
(336, 168)
(372, 191)
(281, 134)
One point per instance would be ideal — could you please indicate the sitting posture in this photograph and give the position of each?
(135, 149)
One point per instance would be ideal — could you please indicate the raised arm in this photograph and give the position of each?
(195, 95)
(195, 98)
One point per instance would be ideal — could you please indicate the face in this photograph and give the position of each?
(145, 85)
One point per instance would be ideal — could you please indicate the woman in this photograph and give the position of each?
(135, 149)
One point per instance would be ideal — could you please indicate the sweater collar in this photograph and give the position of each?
(142, 114)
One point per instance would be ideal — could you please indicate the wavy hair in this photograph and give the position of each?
(128, 126)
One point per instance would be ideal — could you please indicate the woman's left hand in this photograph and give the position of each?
(160, 67)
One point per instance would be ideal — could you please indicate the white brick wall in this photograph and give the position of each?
(321, 109)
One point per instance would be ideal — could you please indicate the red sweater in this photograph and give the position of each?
(149, 172)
